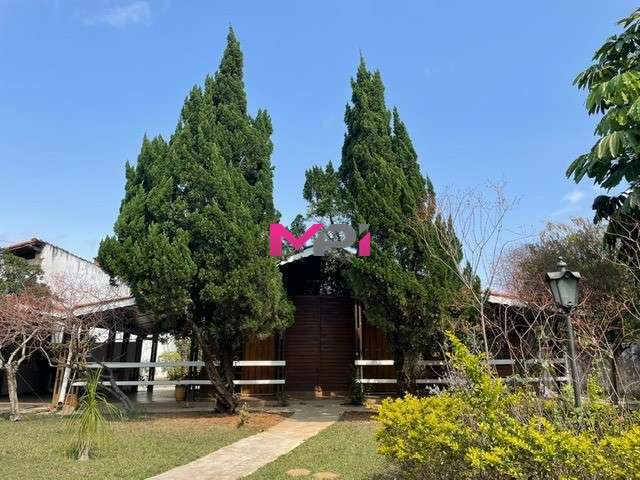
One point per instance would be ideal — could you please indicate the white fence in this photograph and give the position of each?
(189, 364)
(438, 381)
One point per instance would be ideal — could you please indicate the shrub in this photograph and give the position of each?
(243, 415)
(535, 450)
(89, 422)
(174, 373)
(427, 435)
(480, 430)
(355, 393)
(623, 454)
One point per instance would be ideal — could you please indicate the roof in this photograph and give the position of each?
(307, 252)
(36, 245)
(507, 299)
(33, 242)
(112, 298)
(26, 249)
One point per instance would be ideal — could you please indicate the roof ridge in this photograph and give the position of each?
(35, 240)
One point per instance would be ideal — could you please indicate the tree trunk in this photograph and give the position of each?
(67, 373)
(615, 383)
(617, 390)
(83, 453)
(485, 339)
(225, 396)
(12, 386)
(115, 390)
(402, 379)
(223, 391)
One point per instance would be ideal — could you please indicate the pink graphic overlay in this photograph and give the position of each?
(364, 245)
(278, 233)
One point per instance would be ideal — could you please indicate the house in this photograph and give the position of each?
(83, 286)
(329, 344)
(319, 349)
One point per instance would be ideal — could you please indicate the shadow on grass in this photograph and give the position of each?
(358, 416)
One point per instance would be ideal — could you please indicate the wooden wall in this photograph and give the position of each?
(319, 349)
(259, 349)
(320, 346)
(375, 346)
(302, 346)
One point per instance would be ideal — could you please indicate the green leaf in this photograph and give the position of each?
(615, 141)
(577, 167)
(603, 146)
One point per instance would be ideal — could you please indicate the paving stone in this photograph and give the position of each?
(298, 472)
(249, 454)
(326, 476)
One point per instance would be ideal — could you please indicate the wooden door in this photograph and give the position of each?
(319, 347)
(255, 349)
(337, 344)
(302, 345)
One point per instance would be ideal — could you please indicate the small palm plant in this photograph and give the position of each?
(90, 421)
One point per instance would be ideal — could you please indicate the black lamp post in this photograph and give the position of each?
(564, 287)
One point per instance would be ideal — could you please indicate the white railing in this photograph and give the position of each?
(237, 363)
(133, 383)
(444, 381)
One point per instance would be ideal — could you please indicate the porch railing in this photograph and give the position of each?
(188, 364)
(444, 380)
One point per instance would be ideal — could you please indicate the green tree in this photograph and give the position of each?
(191, 237)
(606, 321)
(297, 226)
(613, 85)
(403, 292)
(17, 274)
(323, 192)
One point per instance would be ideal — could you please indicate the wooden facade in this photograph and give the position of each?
(375, 346)
(259, 349)
(319, 349)
(320, 346)
(329, 334)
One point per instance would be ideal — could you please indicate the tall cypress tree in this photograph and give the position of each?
(404, 292)
(191, 236)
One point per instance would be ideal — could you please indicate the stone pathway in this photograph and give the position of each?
(25, 407)
(249, 454)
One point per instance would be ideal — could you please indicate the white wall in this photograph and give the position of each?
(81, 282)
(77, 280)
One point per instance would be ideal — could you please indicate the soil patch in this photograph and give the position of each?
(203, 421)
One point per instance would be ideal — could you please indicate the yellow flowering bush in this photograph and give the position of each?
(535, 450)
(623, 454)
(429, 435)
(478, 430)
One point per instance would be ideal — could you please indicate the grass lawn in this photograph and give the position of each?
(36, 448)
(347, 449)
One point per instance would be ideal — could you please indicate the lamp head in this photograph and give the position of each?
(564, 286)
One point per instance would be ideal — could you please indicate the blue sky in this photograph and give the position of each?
(484, 88)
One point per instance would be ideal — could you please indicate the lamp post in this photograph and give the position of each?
(564, 287)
